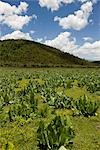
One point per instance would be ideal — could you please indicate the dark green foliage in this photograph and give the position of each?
(59, 132)
(33, 102)
(86, 107)
(22, 53)
(62, 101)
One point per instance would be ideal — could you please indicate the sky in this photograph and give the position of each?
(72, 26)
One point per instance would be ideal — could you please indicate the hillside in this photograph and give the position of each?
(23, 53)
(96, 62)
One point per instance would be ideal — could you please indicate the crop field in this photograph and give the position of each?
(44, 109)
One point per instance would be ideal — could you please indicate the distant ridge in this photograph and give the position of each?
(96, 62)
(23, 53)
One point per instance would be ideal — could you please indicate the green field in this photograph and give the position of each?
(28, 96)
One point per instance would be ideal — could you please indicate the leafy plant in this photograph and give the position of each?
(62, 101)
(33, 102)
(43, 110)
(59, 132)
(86, 107)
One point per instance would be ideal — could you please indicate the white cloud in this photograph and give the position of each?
(17, 35)
(32, 32)
(34, 16)
(16, 22)
(40, 40)
(83, 1)
(66, 43)
(89, 39)
(7, 9)
(90, 51)
(93, 1)
(78, 20)
(63, 42)
(53, 4)
(12, 15)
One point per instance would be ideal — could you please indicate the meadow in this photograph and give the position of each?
(44, 109)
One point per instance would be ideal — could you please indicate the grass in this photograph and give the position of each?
(87, 129)
(87, 133)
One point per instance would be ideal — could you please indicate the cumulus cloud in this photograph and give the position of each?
(89, 51)
(16, 22)
(7, 9)
(53, 4)
(78, 20)
(64, 42)
(12, 15)
(17, 35)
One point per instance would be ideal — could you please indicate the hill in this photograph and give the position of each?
(96, 62)
(23, 53)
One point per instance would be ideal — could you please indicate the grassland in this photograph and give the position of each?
(20, 129)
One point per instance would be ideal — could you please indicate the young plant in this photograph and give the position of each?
(59, 132)
(86, 107)
(62, 101)
(33, 102)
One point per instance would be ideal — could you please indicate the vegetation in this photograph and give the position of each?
(22, 53)
(86, 107)
(56, 134)
(60, 103)
(96, 62)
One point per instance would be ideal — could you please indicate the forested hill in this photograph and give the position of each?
(23, 53)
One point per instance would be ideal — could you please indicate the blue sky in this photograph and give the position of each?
(70, 25)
